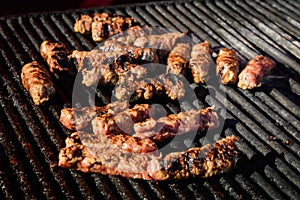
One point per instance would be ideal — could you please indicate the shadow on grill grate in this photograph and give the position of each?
(31, 136)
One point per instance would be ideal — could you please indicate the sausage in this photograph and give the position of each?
(200, 62)
(255, 72)
(227, 66)
(37, 82)
(178, 59)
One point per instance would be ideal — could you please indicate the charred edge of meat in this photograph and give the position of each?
(203, 161)
(96, 156)
(57, 57)
(37, 82)
(227, 66)
(255, 72)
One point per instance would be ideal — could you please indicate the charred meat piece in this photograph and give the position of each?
(103, 25)
(57, 57)
(95, 57)
(168, 84)
(102, 30)
(131, 34)
(204, 162)
(116, 130)
(255, 72)
(89, 153)
(164, 43)
(108, 74)
(102, 74)
(129, 54)
(227, 66)
(177, 124)
(200, 62)
(178, 59)
(115, 123)
(83, 24)
(78, 118)
(37, 82)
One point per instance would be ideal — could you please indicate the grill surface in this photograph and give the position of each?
(31, 136)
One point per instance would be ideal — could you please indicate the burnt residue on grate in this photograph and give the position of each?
(265, 118)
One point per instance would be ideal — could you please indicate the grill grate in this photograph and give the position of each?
(31, 136)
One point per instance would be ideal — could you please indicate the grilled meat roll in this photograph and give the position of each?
(89, 153)
(255, 72)
(57, 57)
(178, 59)
(164, 43)
(78, 118)
(37, 82)
(204, 162)
(103, 25)
(114, 123)
(167, 84)
(200, 62)
(227, 66)
(177, 124)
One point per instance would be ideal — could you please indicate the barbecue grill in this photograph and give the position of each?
(267, 120)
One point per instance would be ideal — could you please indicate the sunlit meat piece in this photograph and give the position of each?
(255, 72)
(227, 66)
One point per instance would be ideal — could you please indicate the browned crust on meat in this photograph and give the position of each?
(37, 82)
(227, 66)
(57, 57)
(177, 124)
(200, 62)
(204, 162)
(168, 84)
(94, 155)
(178, 59)
(255, 72)
(78, 118)
(103, 25)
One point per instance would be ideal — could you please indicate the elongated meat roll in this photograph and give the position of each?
(255, 72)
(227, 66)
(37, 82)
